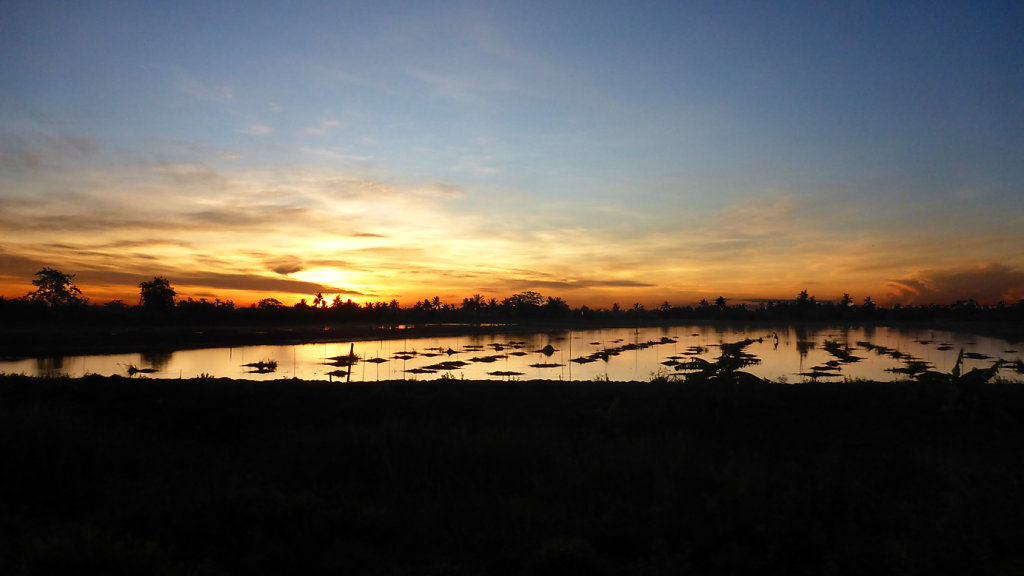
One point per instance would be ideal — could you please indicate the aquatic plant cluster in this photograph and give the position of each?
(724, 361)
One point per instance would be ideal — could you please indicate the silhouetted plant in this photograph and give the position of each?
(725, 369)
(157, 295)
(963, 387)
(55, 288)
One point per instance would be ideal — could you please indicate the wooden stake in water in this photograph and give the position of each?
(351, 349)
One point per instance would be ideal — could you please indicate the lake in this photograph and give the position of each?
(783, 353)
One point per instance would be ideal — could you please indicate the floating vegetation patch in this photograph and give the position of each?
(545, 365)
(262, 367)
(583, 360)
(402, 357)
(945, 347)
(725, 368)
(377, 360)
(841, 352)
(346, 360)
(670, 362)
(814, 374)
(547, 350)
(911, 368)
(420, 371)
(518, 353)
(976, 356)
(133, 370)
(827, 367)
(487, 359)
(337, 373)
(505, 373)
(693, 364)
(450, 365)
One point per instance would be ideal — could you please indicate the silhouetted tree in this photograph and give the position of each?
(473, 304)
(157, 295)
(720, 302)
(556, 307)
(55, 288)
(803, 299)
(274, 304)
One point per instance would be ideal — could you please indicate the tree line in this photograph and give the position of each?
(57, 298)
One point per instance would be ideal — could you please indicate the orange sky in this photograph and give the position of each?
(263, 235)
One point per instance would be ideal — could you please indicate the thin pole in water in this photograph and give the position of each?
(351, 348)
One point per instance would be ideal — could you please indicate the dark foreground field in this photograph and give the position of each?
(226, 477)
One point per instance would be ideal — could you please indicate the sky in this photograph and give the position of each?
(597, 151)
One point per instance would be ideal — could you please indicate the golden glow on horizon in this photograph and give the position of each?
(289, 235)
(329, 277)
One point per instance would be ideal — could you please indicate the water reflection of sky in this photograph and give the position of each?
(786, 353)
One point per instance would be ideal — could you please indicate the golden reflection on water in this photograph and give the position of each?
(786, 353)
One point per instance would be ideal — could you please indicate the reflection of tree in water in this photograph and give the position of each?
(50, 367)
(804, 340)
(156, 359)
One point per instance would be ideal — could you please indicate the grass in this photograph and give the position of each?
(214, 476)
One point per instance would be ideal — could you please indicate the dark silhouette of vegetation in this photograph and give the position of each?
(55, 289)
(157, 296)
(222, 477)
(964, 388)
(57, 301)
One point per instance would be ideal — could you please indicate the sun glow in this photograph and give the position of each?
(329, 277)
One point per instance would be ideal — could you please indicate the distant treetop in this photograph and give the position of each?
(54, 288)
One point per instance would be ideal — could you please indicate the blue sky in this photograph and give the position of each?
(598, 151)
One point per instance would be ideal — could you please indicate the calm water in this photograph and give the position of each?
(784, 353)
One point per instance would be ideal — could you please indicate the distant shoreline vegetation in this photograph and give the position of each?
(57, 300)
(57, 297)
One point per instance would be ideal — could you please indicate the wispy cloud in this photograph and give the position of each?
(258, 130)
(988, 283)
(191, 85)
(324, 127)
